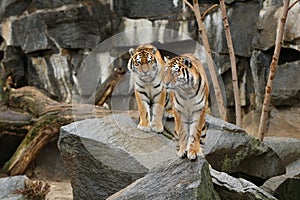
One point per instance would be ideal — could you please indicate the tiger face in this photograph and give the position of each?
(143, 63)
(179, 73)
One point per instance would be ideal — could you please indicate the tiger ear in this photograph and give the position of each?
(166, 59)
(186, 61)
(154, 50)
(131, 51)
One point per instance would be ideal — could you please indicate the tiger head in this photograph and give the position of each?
(180, 73)
(143, 62)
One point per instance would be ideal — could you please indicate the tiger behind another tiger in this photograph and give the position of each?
(147, 69)
(185, 79)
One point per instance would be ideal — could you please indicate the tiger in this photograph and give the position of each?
(187, 83)
(147, 68)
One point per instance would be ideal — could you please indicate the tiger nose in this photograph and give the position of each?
(144, 70)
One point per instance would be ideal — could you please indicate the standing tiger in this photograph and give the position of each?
(147, 68)
(185, 79)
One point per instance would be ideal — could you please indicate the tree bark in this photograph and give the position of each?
(273, 67)
(218, 93)
(238, 116)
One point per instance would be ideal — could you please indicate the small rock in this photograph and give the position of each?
(179, 179)
(230, 188)
(283, 187)
(9, 187)
(293, 168)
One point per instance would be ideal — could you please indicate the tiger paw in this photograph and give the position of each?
(144, 128)
(191, 155)
(181, 154)
(158, 129)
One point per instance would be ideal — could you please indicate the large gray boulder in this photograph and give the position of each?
(105, 155)
(288, 149)
(228, 148)
(286, 89)
(179, 179)
(9, 187)
(230, 188)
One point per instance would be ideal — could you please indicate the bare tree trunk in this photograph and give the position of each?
(238, 117)
(220, 101)
(273, 67)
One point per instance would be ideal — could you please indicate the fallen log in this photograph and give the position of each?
(47, 116)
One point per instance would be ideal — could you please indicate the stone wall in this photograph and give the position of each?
(65, 47)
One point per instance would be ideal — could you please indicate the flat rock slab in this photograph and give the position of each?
(105, 155)
(179, 179)
(228, 148)
(230, 188)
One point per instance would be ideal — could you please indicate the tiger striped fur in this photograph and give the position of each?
(186, 81)
(147, 68)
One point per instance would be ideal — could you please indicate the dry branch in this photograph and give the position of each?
(238, 116)
(273, 67)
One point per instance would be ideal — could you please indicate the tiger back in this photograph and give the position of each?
(147, 68)
(186, 80)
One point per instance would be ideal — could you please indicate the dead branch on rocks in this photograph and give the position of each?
(31, 109)
(273, 67)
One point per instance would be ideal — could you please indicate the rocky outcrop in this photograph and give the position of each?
(155, 9)
(9, 187)
(105, 155)
(242, 17)
(230, 149)
(267, 26)
(51, 37)
(178, 179)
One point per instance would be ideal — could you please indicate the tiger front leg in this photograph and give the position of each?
(144, 111)
(156, 121)
(193, 146)
(157, 114)
(180, 136)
